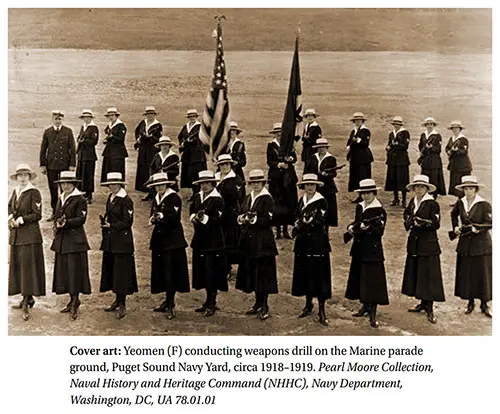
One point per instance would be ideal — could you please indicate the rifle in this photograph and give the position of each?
(348, 236)
(411, 221)
(339, 167)
(164, 169)
(467, 229)
(427, 144)
(247, 217)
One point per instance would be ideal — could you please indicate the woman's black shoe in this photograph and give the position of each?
(111, 308)
(419, 308)
(122, 311)
(470, 307)
(486, 310)
(363, 311)
(162, 308)
(306, 311)
(395, 203)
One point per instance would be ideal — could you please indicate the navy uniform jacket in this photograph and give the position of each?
(87, 140)
(158, 166)
(311, 134)
(423, 240)
(192, 149)
(314, 166)
(150, 137)
(57, 151)
(115, 141)
(359, 152)
(71, 238)
(430, 158)
(168, 233)
(29, 207)
(367, 244)
(397, 148)
(239, 155)
(208, 237)
(473, 244)
(312, 238)
(458, 155)
(120, 215)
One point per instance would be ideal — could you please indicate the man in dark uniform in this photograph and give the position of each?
(312, 131)
(57, 153)
(87, 140)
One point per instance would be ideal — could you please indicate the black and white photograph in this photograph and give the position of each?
(249, 172)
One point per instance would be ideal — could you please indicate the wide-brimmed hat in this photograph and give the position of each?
(164, 140)
(421, 179)
(205, 176)
(310, 179)
(310, 111)
(276, 128)
(397, 120)
(158, 179)
(23, 169)
(429, 120)
(67, 177)
(113, 178)
(367, 185)
(233, 126)
(256, 176)
(456, 124)
(321, 142)
(150, 110)
(86, 112)
(225, 159)
(190, 112)
(57, 112)
(358, 115)
(112, 111)
(469, 181)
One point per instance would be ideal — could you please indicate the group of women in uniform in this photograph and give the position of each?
(233, 227)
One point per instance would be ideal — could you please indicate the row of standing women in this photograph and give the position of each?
(227, 231)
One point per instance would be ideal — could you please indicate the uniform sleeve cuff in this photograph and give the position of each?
(205, 219)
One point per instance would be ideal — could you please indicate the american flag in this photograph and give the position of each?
(215, 122)
(292, 120)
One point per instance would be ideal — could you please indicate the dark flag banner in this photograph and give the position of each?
(293, 111)
(215, 123)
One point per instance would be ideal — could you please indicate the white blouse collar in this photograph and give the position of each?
(317, 196)
(121, 194)
(428, 134)
(190, 127)
(20, 190)
(155, 121)
(234, 142)
(213, 193)
(374, 204)
(426, 197)
(230, 174)
(476, 200)
(118, 121)
(75, 192)
(169, 153)
(167, 192)
(254, 196)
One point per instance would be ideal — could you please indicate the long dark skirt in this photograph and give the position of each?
(169, 271)
(85, 171)
(209, 271)
(473, 277)
(456, 179)
(312, 276)
(144, 160)
(397, 178)
(367, 282)
(436, 177)
(118, 273)
(257, 275)
(71, 274)
(422, 278)
(332, 215)
(112, 165)
(27, 270)
(285, 202)
(358, 172)
(189, 173)
(231, 231)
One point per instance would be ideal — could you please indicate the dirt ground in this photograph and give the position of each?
(413, 85)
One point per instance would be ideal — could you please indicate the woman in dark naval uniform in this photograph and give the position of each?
(398, 162)
(312, 275)
(459, 163)
(359, 154)
(115, 152)
(367, 281)
(71, 265)
(26, 263)
(473, 278)
(166, 161)
(230, 188)
(312, 132)
(169, 266)
(147, 134)
(86, 155)
(209, 261)
(257, 247)
(430, 156)
(324, 165)
(236, 148)
(422, 275)
(282, 184)
(118, 263)
(193, 152)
